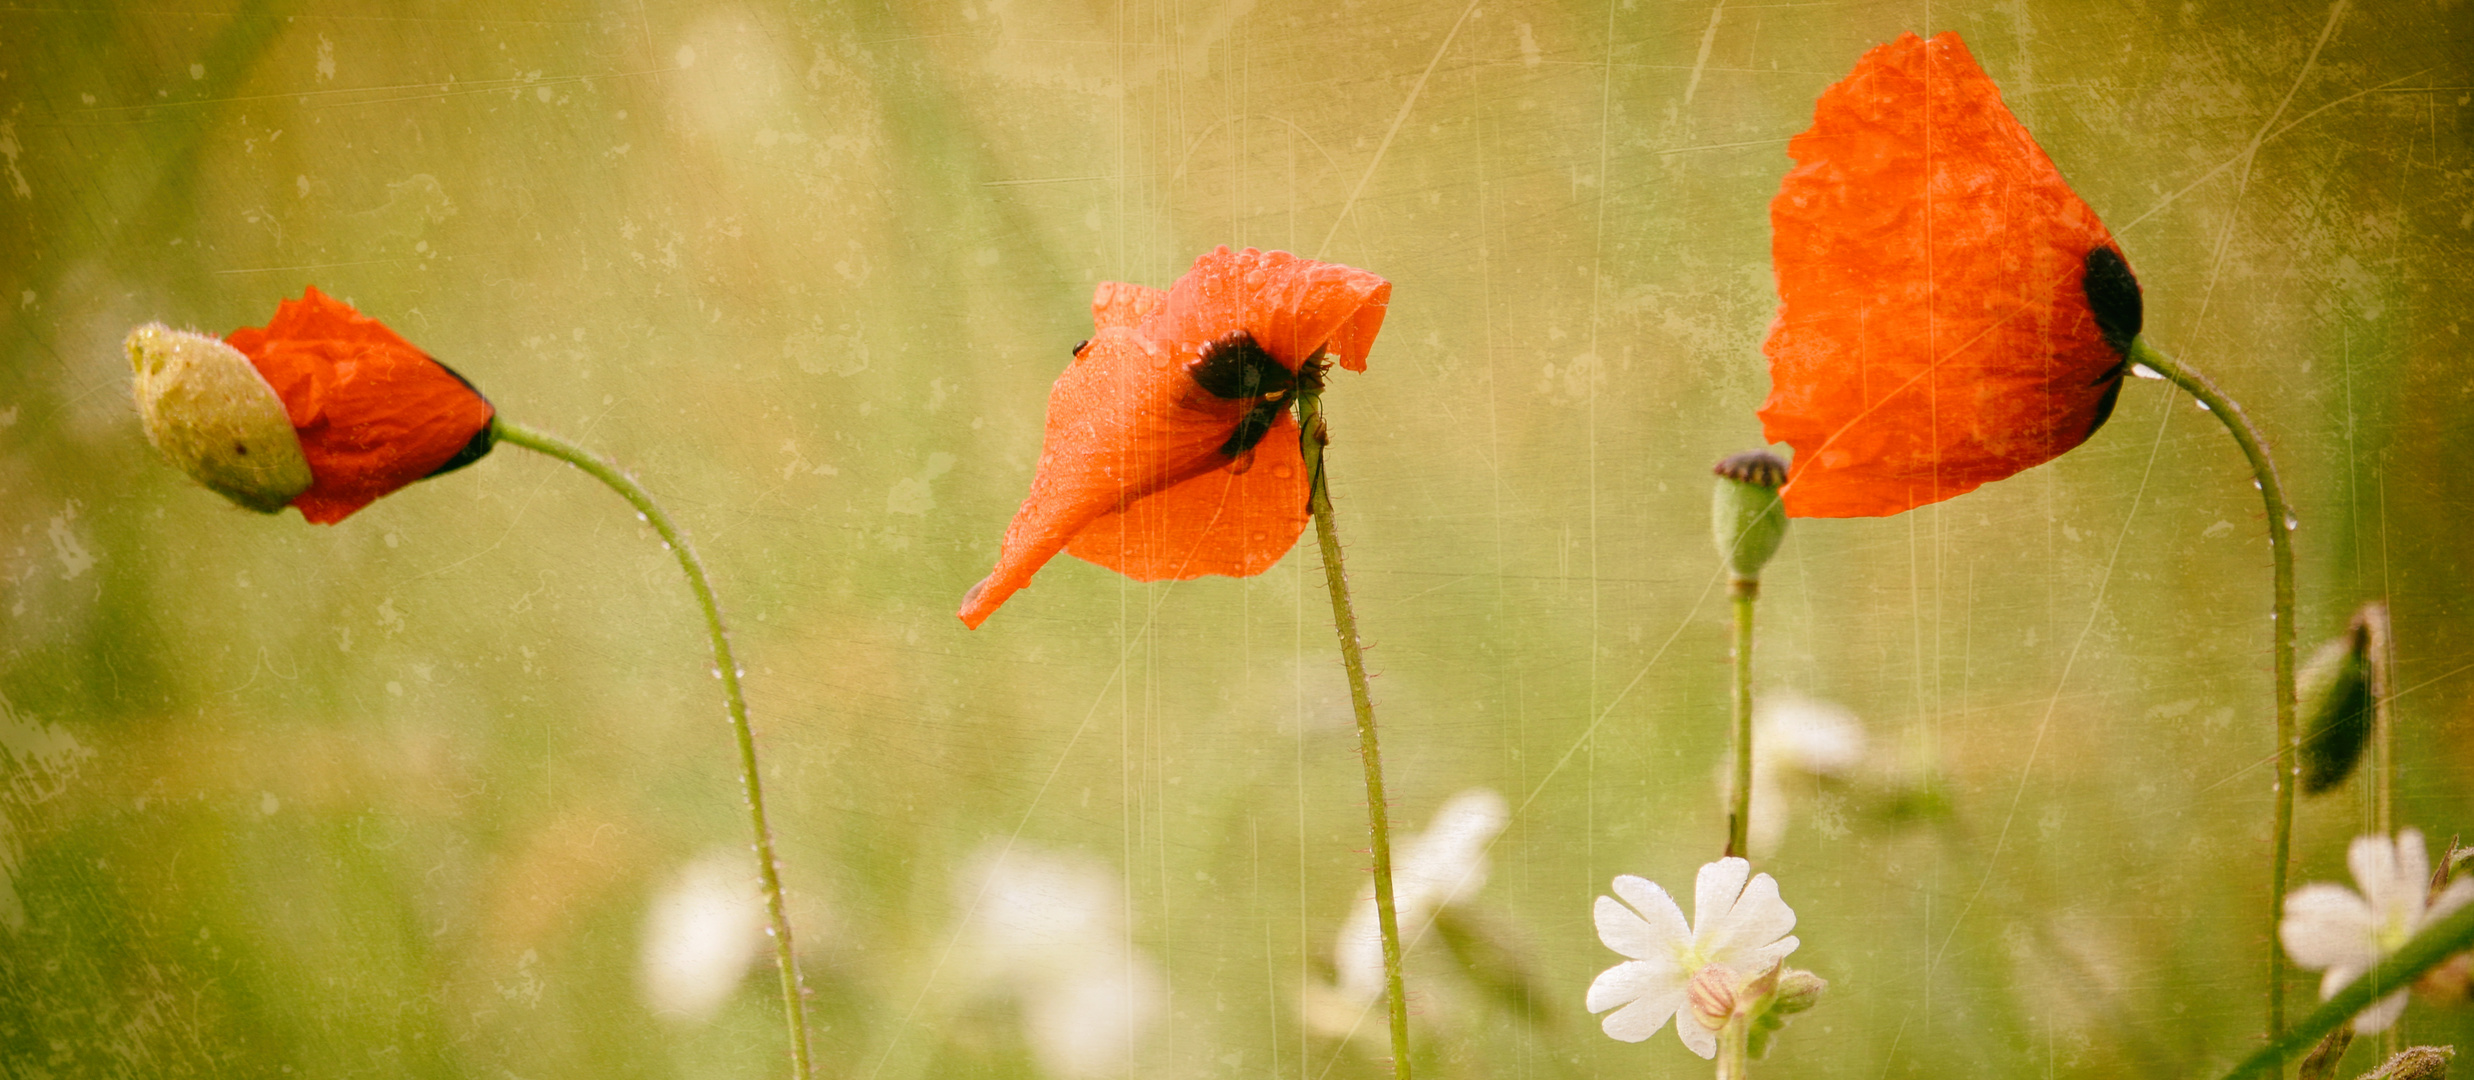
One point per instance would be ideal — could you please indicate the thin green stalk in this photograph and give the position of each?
(2398, 970)
(1739, 816)
(794, 1006)
(1734, 1046)
(1344, 618)
(2281, 558)
(2379, 658)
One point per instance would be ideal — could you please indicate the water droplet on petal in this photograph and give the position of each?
(1283, 471)
(1260, 537)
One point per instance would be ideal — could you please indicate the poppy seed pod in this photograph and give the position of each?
(208, 412)
(1747, 520)
(2336, 698)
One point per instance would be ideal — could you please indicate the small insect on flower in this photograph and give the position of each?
(362, 410)
(1739, 927)
(2347, 932)
(1170, 451)
(1950, 313)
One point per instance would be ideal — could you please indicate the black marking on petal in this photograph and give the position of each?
(1253, 426)
(2113, 295)
(457, 376)
(1079, 346)
(473, 451)
(1232, 367)
(479, 445)
(2111, 380)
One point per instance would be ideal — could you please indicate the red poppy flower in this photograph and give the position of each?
(1950, 313)
(1170, 451)
(373, 413)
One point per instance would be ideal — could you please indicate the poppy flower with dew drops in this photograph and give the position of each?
(1170, 452)
(373, 412)
(1950, 312)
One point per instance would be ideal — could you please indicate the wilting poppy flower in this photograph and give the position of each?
(1950, 312)
(373, 413)
(1170, 451)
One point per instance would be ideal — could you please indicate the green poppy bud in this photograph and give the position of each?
(207, 410)
(1746, 518)
(2334, 691)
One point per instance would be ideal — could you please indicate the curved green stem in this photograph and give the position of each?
(1739, 815)
(1344, 618)
(2281, 557)
(794, 1007)
(2398, 970)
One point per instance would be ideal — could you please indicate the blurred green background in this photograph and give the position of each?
(400, 797)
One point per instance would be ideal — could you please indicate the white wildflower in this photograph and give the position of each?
(2347, 932)
(701, 936)
(1739, 925)
(1048, 931)
(1793, 737)
(1441, 866)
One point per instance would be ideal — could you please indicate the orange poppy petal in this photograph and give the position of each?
(1117, 304)
(1934, 330)
(373, 412)
(1168, 451)
(1120, 427)
(1290, 306)
(1236, 520)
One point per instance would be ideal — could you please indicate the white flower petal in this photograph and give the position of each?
(2373, 859)
(2413, 860)
(1766, 957)
(1698, 1039)
(2380, 1014)
(1643, 1018)
(1758, 918)
(1650, 929)
(1632, 981)
(2328, 926)
(1714, 891)
(2337, 977)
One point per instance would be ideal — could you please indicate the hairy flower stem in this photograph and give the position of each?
(2394, 972)
(794, 1007)
(1739, 814)
(1344, 618)
(1734, 1047)
(2281, 558)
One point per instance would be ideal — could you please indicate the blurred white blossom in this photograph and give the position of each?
(1048, 932)
(1443, 865)
(1739, 926)
(701, 935)
(2346, 932)
(1793, 738)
